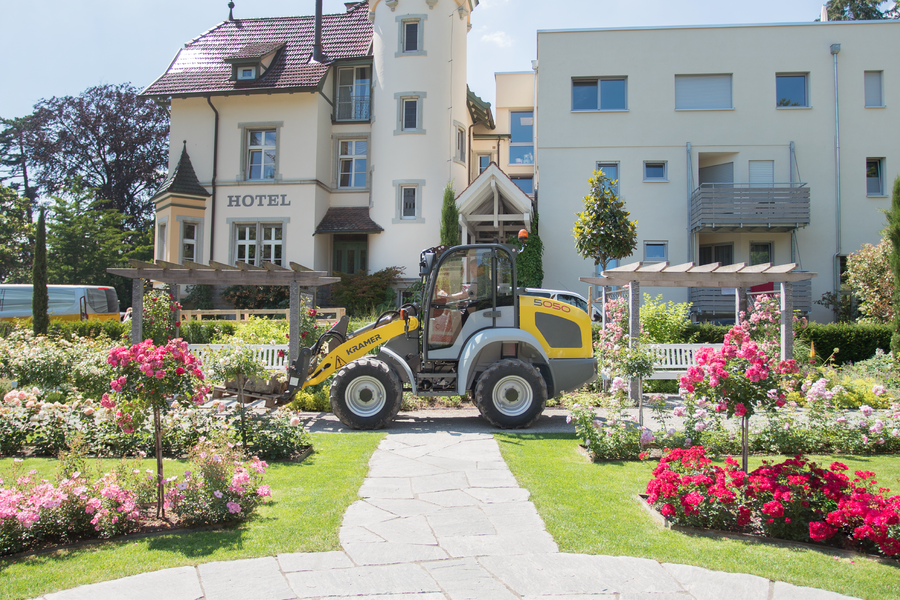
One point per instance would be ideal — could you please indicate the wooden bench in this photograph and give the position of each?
(671, 361)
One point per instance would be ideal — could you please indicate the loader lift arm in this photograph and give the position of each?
(310, 368)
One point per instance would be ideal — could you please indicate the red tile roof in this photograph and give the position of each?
(200, 66)
(347, 219)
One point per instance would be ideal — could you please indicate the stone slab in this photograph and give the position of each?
(361, 513)
(181, 583)
(499, 545)
(460, 521)
(408, 530)
(404, 507)
(449, 498)
(386, 487)
(476, 449)
(787, 591)
(313, 561)
(360, 581)
(257, 578)
(357, 535)
(388, 464)
(465, 579)
(503, 495)
(439, 483)
(704, 584)
(560, 574)
(495, 478)
(387, 553)
(450, 464)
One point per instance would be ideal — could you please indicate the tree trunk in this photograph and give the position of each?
(745, 444)
(160, 489)
(241, 379)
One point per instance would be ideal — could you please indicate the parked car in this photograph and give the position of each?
(571, 298)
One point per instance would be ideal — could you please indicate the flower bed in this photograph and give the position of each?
(30, 425)
(792, 500)
(220, 486)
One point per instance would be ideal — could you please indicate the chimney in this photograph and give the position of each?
(317, 55)
(349, 5)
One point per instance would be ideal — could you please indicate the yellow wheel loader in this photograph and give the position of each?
(475, 333)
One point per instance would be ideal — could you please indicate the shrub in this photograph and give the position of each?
(218, 487)
(616, 437)
(312, 399)
(360, 292)
(855, 342)
(257, 296)
(664, 322)
(207, 332)
(159, 316)
(870, 277)
(92, 328)
(705, 333)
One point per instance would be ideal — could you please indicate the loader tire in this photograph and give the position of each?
(366, 394)
(511, 394)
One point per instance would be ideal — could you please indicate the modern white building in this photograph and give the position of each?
(759, 143)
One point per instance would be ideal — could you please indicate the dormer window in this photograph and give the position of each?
(245, 73)
(251, 62)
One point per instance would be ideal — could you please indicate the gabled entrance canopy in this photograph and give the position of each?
(221, 274)
(492, 207)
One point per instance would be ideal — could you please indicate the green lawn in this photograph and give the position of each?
(589, 508)
(303, 515)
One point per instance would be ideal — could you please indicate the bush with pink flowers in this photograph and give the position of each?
(793, 500)
(219, 486)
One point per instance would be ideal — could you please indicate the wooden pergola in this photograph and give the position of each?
(738, 276)
(192, 273)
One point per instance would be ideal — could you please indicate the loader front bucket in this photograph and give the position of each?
(297, 374)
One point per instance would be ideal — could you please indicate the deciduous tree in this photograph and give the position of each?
(16, 234)
(860, 10)
(602, 230)
(869, 277)
(115, 141)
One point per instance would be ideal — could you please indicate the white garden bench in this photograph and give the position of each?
(671, 361)
(267, 354)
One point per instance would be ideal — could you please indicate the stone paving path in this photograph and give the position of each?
(442, 518)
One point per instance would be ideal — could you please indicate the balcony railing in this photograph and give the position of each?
(723, 207)
(714, 301)
(352, 108)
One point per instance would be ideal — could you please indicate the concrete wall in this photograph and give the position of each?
(572, 142)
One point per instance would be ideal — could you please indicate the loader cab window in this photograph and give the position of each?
(463, 285)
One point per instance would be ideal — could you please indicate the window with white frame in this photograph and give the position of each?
(874, 81)
(703, 92)
(245, 73)
(656, 251)
(656, 170)
(460, 144)
(161, 241)
(484, 161)
(409, 112)
(411, 39)
(409, 201)
(791, 90)
(875, 177)
(261, 154)
(611, 170)
(352, 161)
(353, 93)
(602, 93)
(521, 138)
(526, 184)
(256, 243)
(189, 236)
(720, 253)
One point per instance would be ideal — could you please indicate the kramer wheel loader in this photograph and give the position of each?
(475, 333)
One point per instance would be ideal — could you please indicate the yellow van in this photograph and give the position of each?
(64, 302)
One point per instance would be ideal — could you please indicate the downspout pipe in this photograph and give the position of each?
(212, 209)
(835, 49)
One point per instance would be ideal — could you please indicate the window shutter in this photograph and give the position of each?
(702, 91)
(873, 88)
(762, 173)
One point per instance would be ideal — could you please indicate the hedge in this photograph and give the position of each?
(854, 341)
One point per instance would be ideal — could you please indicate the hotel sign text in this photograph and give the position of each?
(249, 200)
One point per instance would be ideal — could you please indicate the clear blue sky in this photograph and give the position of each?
(61, 47)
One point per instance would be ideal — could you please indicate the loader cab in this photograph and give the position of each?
(471, 288)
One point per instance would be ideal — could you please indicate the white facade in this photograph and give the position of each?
(680, 100)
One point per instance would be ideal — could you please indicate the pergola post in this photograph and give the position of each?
(294, 319)
(137, 310)
(787, 320)
(634, 333)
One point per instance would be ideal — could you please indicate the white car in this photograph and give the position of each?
(571, 298)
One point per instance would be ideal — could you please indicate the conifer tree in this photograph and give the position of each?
(40, 318)
(449, 217)
(893, 234)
